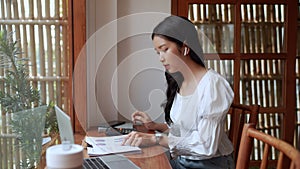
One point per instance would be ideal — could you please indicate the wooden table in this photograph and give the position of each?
(150, 157)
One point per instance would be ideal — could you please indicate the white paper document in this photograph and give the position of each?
(109, 145)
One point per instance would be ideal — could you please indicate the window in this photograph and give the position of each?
(42, 29)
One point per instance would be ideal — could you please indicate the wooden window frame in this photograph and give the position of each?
(78, 106)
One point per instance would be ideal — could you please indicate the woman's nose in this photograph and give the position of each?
(161, 57)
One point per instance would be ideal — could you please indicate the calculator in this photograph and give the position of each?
(125, 130)
(118, 131)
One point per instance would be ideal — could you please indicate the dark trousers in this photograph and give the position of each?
(222, 162)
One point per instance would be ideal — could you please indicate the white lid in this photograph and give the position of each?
(60, 156)
(60, 149)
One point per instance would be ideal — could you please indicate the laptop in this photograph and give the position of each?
(108, 161)
(114, 161)
(64, 126)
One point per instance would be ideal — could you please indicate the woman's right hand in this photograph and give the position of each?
(143, 118)
(139, 139)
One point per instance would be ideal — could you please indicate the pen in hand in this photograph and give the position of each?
(125, 140)
(88, 145)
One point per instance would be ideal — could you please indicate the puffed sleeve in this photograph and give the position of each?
(204, 140)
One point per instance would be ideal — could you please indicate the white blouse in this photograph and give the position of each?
(198, 129)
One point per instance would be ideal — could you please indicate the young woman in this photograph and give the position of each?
(197, 102)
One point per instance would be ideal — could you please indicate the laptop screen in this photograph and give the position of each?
(64, 126)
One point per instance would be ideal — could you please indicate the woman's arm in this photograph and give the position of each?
(163, 141)
(146, 121)
(161, 127)
(145, 139)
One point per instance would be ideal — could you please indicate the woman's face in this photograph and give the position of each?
(169, 54)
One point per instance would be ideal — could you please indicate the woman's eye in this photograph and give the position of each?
(161, 51)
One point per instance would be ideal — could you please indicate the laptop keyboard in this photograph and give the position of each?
(93, 163)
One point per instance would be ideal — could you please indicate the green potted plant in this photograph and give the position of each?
(19, 95)
(17, 100)
(51, 125)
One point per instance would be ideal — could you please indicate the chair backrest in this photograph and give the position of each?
(239, 115)
(285, 149)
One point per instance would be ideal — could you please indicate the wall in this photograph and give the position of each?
(123, 71)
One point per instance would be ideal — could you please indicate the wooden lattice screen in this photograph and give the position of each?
(41, 27)
(250, 39)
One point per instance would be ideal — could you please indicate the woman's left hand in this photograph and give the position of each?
(139, 139)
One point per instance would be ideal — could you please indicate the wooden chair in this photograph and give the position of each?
(239, 115)
(249, 133)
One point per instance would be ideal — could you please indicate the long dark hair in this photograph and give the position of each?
(181, 31)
